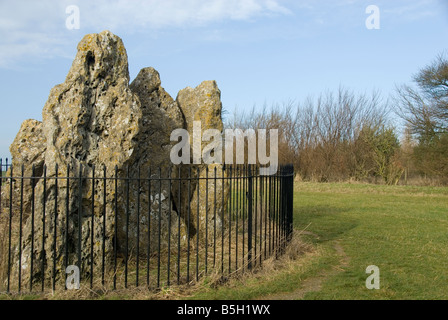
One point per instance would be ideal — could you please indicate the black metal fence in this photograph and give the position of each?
(120, 228)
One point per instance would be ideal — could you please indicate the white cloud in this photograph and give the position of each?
(174, 13)
(406, 8)
(409, 12)
(36, 29)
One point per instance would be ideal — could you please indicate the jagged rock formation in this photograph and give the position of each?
(96, 120)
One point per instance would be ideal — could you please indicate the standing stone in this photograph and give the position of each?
(160, 116)
(27, 150)
(90, 120)
(203, 104)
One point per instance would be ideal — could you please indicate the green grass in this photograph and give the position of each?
(402, 230)
(265, 283)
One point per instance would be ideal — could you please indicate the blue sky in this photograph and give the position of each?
(258, 51)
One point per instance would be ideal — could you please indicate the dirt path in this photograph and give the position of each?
(314, 284)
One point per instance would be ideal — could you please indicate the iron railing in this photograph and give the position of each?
(132, 229)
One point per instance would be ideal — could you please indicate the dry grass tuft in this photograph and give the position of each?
(281, 262)
(3, 252)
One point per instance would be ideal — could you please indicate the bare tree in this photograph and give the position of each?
(320, 136)
(424, 109)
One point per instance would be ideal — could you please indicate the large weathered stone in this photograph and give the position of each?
(29, 145)
(159, 107)
(27, 150)
(160, 116)
(90, 119)
(93, 117)
(203, 104)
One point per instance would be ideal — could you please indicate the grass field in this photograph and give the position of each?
(340, 230)
(402, 230)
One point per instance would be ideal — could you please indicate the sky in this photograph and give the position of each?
(260, 52)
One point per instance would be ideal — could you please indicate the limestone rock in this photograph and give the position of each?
(29, 146)
(27, 149)
(93, 117)
(90, 119)
(160, 116)
(203, 104)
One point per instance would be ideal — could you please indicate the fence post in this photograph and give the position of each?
(249, 221)
(79, 220)
(291, 203)
(10, 230)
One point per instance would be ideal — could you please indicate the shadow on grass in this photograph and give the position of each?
(327, 222)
